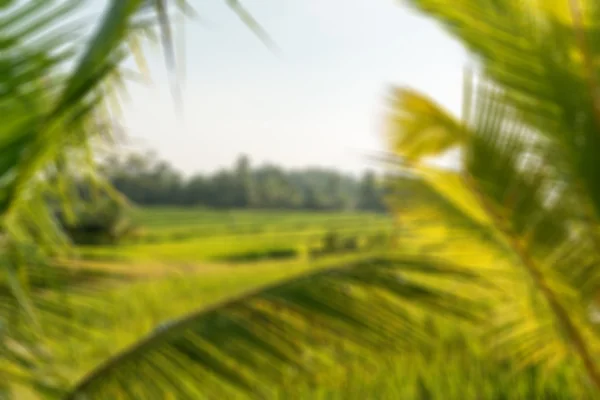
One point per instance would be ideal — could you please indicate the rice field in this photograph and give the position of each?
(188, 236)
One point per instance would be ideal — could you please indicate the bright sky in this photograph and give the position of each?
(319, 103)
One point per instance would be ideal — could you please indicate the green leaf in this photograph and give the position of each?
(419, 128)
(292, 329)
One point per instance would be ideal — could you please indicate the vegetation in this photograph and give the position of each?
(146, 181)
(487, 288)
(190, 235)
(101, 221)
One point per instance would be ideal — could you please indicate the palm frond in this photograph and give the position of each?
(52, 90)
(520, 181)
(251, 23)
(27, 351)
(291, 330)
(524, 168)
(532, 201)
(420, 128)
(544, 60)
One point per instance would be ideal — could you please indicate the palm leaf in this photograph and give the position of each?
(544, 63)
(251, 23)
(420, 128)
(530, 199)
(291, 330)
(49, 120)
(55, 91)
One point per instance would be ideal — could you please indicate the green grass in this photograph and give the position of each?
(161, 224)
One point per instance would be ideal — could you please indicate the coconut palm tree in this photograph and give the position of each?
(527, 180)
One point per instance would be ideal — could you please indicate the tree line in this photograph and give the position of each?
(147, 180)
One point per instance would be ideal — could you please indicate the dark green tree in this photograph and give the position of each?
(247, 195)
(370, 193)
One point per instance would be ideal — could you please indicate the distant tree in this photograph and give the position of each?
(338, 199)
(369, 193)
(196, 191)
(223, 191)
(247, 195)
(147, 180)
(166, 184)
(272, 186)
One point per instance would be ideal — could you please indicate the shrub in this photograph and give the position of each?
(101, 222)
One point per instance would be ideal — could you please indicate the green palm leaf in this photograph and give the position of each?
(420, 128)
(291, 330)
(50, 118)
(56, 88)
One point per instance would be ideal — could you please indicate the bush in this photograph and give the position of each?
(102, 222)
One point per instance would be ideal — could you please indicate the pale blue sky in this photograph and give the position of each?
(319, 103)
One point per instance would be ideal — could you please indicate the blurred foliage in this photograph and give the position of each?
(104, 221)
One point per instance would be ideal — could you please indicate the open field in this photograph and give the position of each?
(222, 255)
(161, 223)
